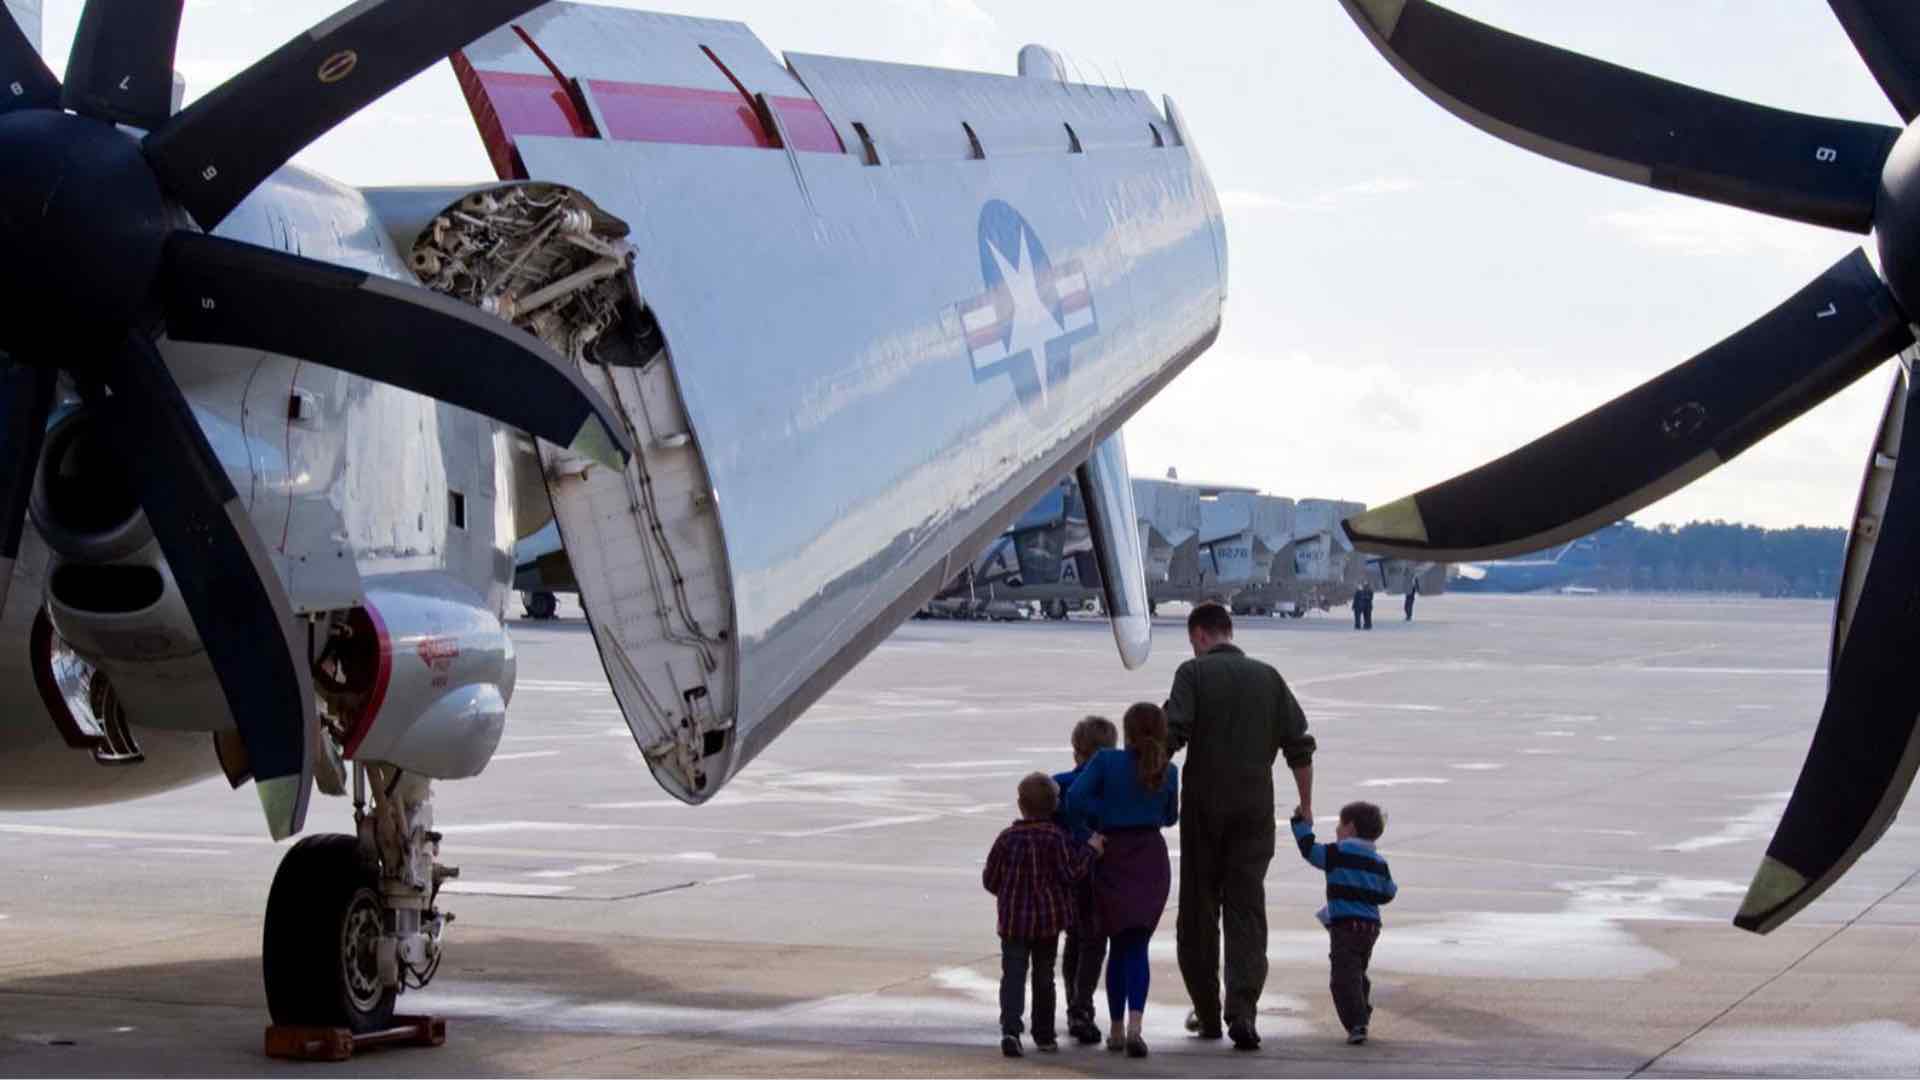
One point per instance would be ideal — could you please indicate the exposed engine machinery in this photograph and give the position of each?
(544, 258)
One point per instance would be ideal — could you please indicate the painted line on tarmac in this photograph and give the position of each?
(503, 888)
(858, 826)
(1361, 674)
(588, 868)
(523, 755)
(486, 827)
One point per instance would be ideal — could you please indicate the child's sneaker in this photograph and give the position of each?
(1046, 1044)
(1010, 1045)
(1357, 1036)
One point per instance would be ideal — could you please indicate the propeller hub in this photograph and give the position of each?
(1896, 221)
(83, 226)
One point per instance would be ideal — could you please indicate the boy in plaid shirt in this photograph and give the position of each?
(1030, 871)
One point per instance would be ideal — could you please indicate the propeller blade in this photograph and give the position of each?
(1864, 752)
(223, 145)
(26, 397)
(25, 82)
(1887, 35)
(121, 66)
(1656, 438)
(221, 567)
(231, 293)
(1631, 125)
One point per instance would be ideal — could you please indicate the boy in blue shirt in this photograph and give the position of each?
(1086, 947)
(1358, 882)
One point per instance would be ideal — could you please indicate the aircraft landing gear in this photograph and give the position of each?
(351, 921)
(540, 605)
(1056, 609)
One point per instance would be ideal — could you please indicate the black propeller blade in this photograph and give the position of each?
(222, 146)
(231, 293)
(121, 66)
(1887, 35)
(1656, 438)
(25, 82)
(26, 397)
(238, 605)
(1863, 756)
(1630, 125)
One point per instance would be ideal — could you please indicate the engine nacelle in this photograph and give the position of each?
(419, 677)
(128, 620)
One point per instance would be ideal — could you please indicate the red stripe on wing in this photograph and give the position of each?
(643, 112)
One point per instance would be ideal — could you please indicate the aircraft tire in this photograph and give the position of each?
(317, 955)
(541, 605)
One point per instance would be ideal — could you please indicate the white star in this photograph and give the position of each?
(1033, 323)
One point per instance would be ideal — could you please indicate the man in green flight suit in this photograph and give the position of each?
(1234, 715)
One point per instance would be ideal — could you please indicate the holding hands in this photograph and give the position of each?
(1098, 843)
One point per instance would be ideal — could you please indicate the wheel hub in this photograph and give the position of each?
(83, 224)
(360, 952)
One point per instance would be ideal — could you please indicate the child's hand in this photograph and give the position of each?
(1098, 843)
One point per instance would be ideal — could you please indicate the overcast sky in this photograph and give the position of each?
(1409, 297)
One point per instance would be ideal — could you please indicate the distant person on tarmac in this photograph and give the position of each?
(1413, 590)
(1359, 605)
(1233, 715)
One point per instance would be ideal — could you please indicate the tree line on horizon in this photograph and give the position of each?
(1718, 556)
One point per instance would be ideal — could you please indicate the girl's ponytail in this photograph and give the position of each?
(1146, 730)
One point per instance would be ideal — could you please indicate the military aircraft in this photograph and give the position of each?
(1655, 439)
(775, 343)
(1554, 568)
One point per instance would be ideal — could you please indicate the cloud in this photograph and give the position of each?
(1331, 199)
(1305, 425)
(1695, 228)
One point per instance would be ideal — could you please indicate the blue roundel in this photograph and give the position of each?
(1025, 323)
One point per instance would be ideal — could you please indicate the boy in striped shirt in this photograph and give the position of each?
(1358, 882)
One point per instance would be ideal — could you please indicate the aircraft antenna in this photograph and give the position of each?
(1098, 70)
(1080, 76)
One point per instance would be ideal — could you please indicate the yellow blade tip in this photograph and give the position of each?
(594, 442)
(1774, 884)
(280, 801)
(1398, 520)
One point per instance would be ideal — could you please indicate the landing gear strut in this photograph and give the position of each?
(351, 920)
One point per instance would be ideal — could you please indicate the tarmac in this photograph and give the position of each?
(1578, 789)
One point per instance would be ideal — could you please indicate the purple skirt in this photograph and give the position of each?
(1131, 881)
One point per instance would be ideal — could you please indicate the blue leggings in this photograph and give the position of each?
(1127, 974)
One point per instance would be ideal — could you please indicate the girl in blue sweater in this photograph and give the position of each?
(1133, 794)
